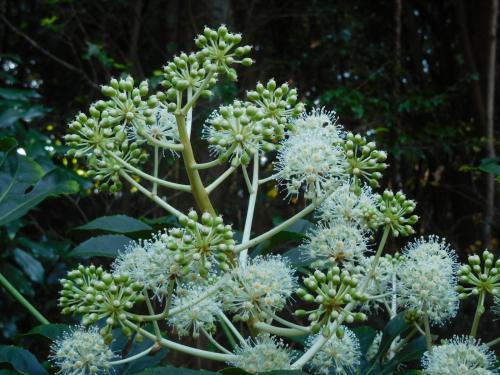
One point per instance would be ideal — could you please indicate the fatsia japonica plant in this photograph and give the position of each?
(197, 279)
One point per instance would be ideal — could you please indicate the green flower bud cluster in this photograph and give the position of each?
(397, 211)
(128, 105)
(202, 246)
(95, 294)
(237, 131)
(277, 103)
(331, 292)
(479, 276)
(94, 137)
(364, 161)
(219, 49)
(412, 316)
(186, 72)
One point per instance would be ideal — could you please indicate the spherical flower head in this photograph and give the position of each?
(460, 355)
(338, 355)
(496, 306)
(318, 119)
(162, 130)
(238, 131)
(264, 353)
(201, 315)
(81, 351)
(427, 278)
(260, 287)
(335, 242)
(345, 204)
(150, 263)
(309, 162)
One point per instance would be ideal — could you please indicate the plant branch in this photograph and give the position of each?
(478, 314)
(23, 301)
(280, 331)
(253, 189)
(210, 188)
(134, 357)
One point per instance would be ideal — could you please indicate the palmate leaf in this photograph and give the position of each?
(24, 184)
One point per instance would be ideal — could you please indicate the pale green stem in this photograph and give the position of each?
(299, 363)
(168, 146)
(151, 196)
(219, 180)
(419, 329)
(290, 324)
(159, 181)
(256, 240)
(197, 94)
(221, 159)
(198, 190)
(479, 312)
(168, 300)
(247, 179)
(214, 341)
(152, 312)
(231, 326)
(180, 347)
(267, 179)
(427, 328)
(210, 291)
(493, 342)
(393, 313)
(251, 207)
(23, 301)
(156, 166)
(280, 331)
(189, 114)
(134, 357)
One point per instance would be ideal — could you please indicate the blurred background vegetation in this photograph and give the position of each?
(418, 76)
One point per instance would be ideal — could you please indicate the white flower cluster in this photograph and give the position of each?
(260, 287)
(338, 355)
(82, 351)
(150, 263)
(310, 158)
(163, 129)
(263, 354)
(427, 279)
(460, 355)
(358, 209)
(199, 315)
(335, 242)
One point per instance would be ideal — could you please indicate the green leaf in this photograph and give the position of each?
(19, 174)
(393, 329)
(32, 267)
(116, 224)
(365, 335)
(107, 245)
(143, 362)
(411, 352)
(490, 165)
(169, 370)
(50, 331)
(21, 360)
(18, 94)
(297, 258)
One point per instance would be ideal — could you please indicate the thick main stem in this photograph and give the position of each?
(197, 188)
(23, 301)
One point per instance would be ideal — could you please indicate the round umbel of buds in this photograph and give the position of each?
(219, 51)
(481, 274)
(202, 244)
(238, 131)
(186, 72)
(95, 294)
(128, 106)
(364, 160)
(278, 104)
(397, 211)
(331, 292)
